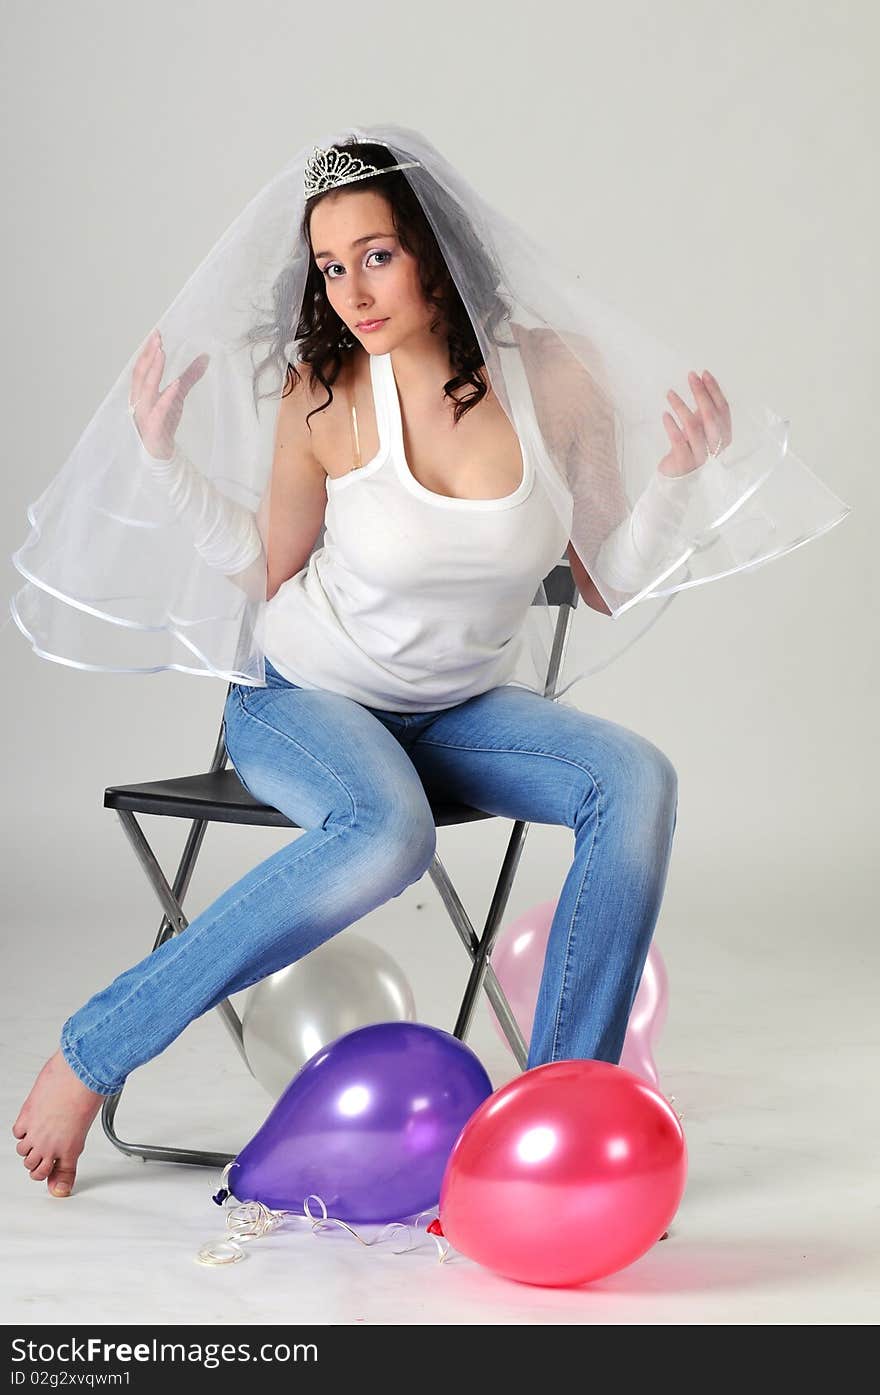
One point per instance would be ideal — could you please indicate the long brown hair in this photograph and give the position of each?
(325, 343)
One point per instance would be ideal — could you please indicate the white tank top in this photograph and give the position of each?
(415, 601)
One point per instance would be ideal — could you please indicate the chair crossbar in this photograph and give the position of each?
(218, 796)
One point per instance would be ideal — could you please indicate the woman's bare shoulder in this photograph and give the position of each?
(566, 361)
(566, 390)
(544, 347)
(306, 412)
(307, 394)
(300, 392)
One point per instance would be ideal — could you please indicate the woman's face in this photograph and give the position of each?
(367, 274)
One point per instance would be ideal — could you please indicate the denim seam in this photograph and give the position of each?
(508, 751)
(333, 833)
(517, 750)
(303, 751)
(557, 1025)
(85, 1075)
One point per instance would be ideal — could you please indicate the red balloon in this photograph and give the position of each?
(567, 1173)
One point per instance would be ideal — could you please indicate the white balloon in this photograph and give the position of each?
(346, 983)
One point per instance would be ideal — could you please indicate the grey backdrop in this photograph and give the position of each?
(713, 173)
(711, 166)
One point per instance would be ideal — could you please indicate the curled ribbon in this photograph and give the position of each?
(249, 1220)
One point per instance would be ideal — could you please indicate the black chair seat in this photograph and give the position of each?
(218, 796)
(222, 798)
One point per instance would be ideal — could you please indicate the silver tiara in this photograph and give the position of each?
(328, 169)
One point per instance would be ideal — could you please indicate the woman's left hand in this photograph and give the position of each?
(706, 431)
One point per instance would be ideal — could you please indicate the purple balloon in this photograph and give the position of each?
(367, 1125)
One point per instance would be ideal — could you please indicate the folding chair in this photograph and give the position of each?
(219, 797)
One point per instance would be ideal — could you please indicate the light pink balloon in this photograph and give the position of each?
(518, 960)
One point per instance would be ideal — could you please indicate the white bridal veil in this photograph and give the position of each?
(113, 580)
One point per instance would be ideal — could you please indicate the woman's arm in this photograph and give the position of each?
(257, 552)
(292, 513)
(224, 532)
(585, 584)
(633, 551)
(627, 545)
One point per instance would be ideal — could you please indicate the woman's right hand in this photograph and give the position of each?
(156, 415)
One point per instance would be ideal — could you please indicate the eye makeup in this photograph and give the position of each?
(377, 251)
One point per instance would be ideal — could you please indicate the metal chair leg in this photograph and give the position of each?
(482, 974)
(174, 922)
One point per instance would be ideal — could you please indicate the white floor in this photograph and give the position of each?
(770, 1053)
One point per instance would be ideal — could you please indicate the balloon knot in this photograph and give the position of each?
(435, 1228)
(220, 1196)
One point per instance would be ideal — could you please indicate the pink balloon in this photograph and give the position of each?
(569, 1172)
(647, 1019)
(518, 961)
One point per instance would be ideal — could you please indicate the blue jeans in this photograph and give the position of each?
(357, 780)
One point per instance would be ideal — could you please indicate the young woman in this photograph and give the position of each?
(388, 647)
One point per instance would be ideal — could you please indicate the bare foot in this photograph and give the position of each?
(53, 1123)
